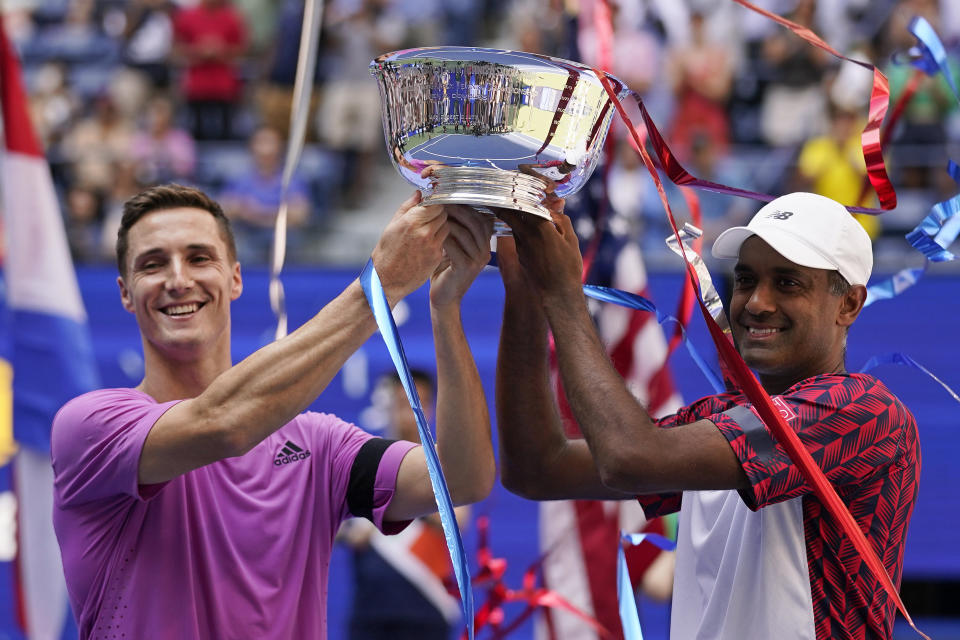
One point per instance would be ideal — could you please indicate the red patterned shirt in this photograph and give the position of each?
(866, 443)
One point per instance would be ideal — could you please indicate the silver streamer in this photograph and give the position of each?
(299, 114)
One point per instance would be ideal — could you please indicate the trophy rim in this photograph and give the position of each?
(377, 64)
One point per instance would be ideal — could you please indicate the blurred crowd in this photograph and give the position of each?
(128, 93)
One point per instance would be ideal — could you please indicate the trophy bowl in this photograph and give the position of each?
(501, 127)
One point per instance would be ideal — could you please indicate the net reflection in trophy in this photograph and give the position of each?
(492, 121)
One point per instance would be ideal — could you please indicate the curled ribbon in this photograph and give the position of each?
(939, 229)
(491, 613)
(931, 237)
(929, 55)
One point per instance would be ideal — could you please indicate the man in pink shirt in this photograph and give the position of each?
(203, 503)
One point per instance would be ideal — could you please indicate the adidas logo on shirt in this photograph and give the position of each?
(290, 453)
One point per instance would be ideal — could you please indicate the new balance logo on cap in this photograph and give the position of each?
(780, 215)
(289, 453)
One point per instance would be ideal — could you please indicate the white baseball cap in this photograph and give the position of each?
(809, 230)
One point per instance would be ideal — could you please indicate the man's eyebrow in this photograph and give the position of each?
(157, 251)
(780, 271)
(791, 271)
(149, 253)
(200, 246)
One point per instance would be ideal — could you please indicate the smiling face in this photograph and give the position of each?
(179, 281)
(786, 322)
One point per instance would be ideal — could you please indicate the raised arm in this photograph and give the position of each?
(630, 452)
(463, 422)
(537, 460)
(251, 400)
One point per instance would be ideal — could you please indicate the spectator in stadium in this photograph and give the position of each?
(96, 144)
(349, 116)
(159, 150)
(251, 199)
(209, 40)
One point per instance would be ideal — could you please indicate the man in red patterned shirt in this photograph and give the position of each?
(758, 557)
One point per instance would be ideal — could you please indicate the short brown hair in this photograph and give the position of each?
(169, 196)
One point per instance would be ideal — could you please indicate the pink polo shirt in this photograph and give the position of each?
(237, 549)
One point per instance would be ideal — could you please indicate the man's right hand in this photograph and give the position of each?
(410, 247)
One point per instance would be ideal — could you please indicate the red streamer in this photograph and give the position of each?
(908, 91)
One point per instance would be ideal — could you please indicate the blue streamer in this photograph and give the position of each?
(937, 231)
(903, 359)
(893, 286)
(655, 539)
(629, 618)
(377, 300)
(930, 55)
(940, 228)
(931, 237)
(634, 301)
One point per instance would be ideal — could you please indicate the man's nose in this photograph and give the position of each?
(178, 276)
(762, 300)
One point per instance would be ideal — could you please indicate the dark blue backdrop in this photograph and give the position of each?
(920, 323)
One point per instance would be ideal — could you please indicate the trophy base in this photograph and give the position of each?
(485, 188)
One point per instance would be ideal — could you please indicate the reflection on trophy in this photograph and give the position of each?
(501, 127)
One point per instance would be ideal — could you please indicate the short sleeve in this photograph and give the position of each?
(852, 427)
(96, 441)
(385, 485)
(655, 505)
(361, 464)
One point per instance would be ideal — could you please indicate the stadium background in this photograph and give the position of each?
(94, 92)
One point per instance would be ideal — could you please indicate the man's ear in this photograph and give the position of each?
(851, 305)
(125, 298)
(236, 287)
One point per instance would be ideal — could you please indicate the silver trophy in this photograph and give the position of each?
(500, 126)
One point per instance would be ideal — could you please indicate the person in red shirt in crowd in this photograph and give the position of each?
(209, 40)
